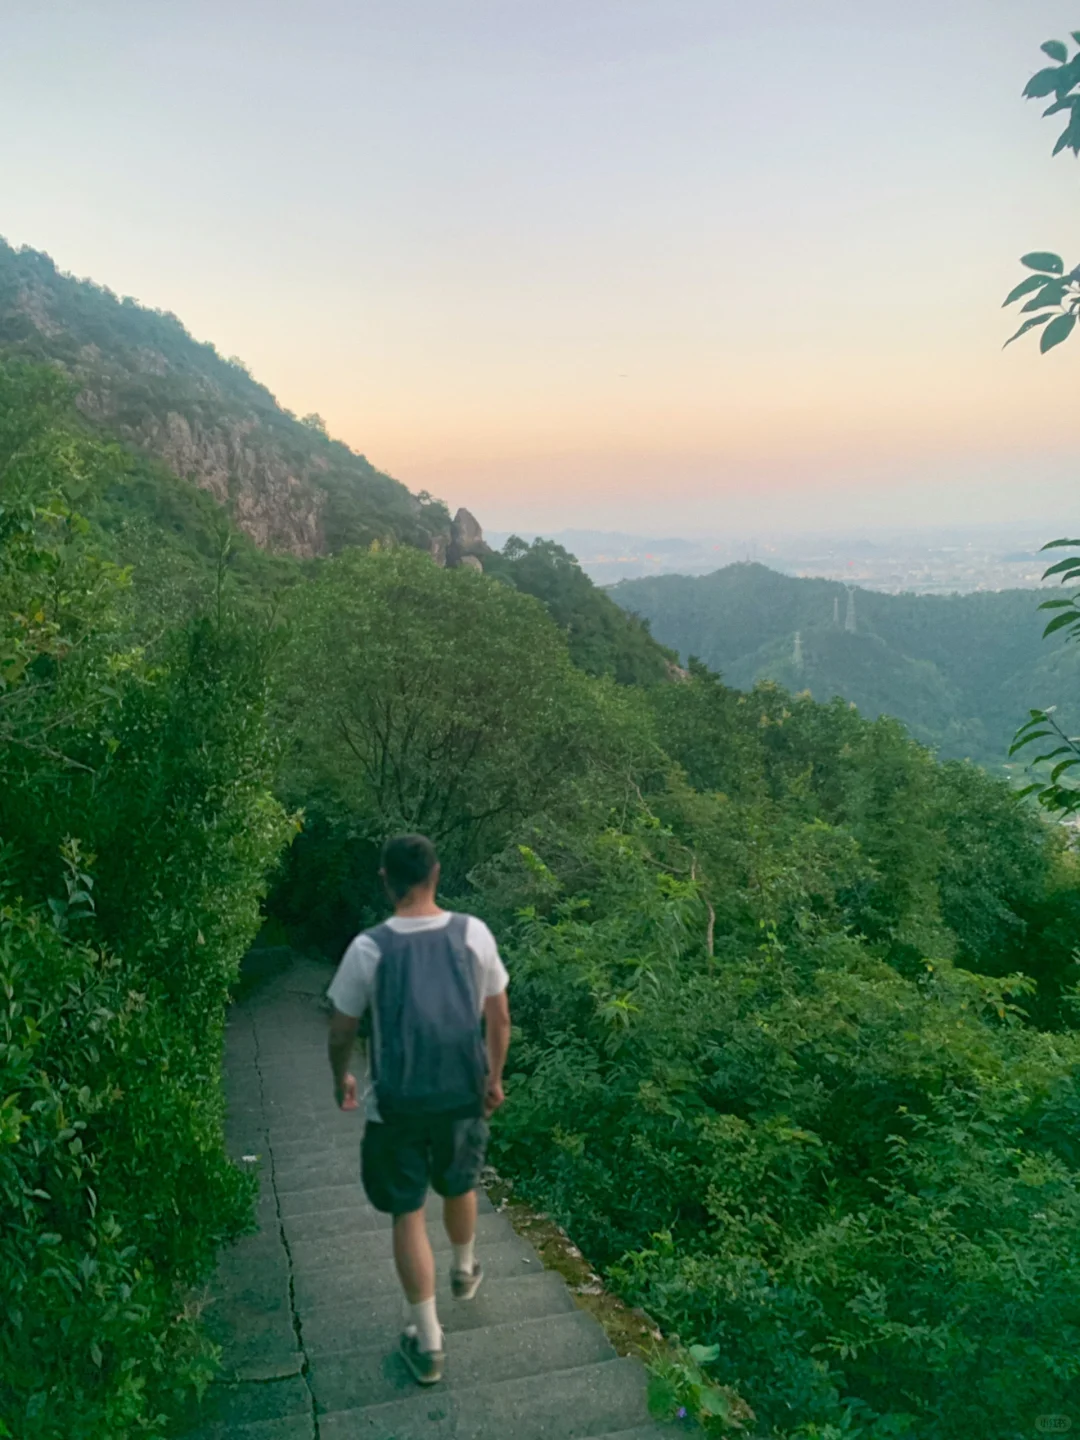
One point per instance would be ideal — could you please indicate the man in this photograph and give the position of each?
(427, 978)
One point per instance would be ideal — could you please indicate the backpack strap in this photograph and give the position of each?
(456, 933)
(379, 935)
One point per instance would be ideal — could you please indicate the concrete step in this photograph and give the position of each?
(356, 1220)
(375, 1321)
(293, 1175)
(248, 1404)
(374, 1274)
(573, 1404)
(332, 1252)
(474, 1357)
(323, 1197)
(350, 1195)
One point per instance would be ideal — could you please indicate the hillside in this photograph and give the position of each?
(961, 671)
(144, 379)
(206, 441)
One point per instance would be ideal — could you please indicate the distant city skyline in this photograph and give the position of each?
(926, 560)
(682, 265)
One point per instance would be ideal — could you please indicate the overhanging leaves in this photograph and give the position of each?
(1025, 327)
(1059, 329)
(1044, 260)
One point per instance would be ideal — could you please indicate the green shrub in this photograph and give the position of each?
(136, 830)
(861, 1186)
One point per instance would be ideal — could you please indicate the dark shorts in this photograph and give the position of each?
(401, 1159)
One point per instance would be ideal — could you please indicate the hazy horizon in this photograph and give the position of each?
(646, 265)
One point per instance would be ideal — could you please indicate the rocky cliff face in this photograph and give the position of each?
(271, 501)
(143, 378)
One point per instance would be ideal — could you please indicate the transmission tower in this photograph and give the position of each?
(796, 658)
(849, 618)
(836, 611)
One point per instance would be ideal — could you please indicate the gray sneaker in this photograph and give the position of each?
(426, 1365)
(465, 1283)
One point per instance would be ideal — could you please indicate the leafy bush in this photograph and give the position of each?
(860, 1186)
(136, 829)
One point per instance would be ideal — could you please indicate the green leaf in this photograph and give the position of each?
(1066, 564)
(1058, 605)
(704, 1354)
(1032, 282)
(1057, 544)
(1061, 767)
(1056, 50)
(1070, 136)
(1019, 744)
(1044, 260)
(1025, 327)
(1059, 621)
(1052, 293)
(1042, 83)
(1059, 329)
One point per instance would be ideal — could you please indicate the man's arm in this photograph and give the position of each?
(342, 1034)
(497, 1029)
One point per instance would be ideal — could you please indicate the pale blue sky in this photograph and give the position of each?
(654, 264)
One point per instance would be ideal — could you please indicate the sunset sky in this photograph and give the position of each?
(673, 266)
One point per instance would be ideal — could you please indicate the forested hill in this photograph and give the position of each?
(144, 378)
(211, 446)
(961, 671)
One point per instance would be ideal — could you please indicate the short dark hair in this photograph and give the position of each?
(407, 860)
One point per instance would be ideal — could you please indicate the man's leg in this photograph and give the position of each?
(459, 1217)
(413, 1258)
(416, 1270)
(458, 1160)
(395, 1174)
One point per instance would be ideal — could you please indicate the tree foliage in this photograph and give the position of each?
(419, 698)
(602, 638)
(1052, 295)
(757, 1084)
(136, 829)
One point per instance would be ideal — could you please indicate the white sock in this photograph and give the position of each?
(426, 1322)
(464, 1257)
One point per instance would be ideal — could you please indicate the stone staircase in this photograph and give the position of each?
(308, 1311)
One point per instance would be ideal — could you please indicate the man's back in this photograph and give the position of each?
(434, 961)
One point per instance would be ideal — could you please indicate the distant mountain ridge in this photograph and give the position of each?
(961, 671)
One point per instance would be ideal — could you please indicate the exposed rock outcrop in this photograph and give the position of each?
(466, 541)
(273, 504)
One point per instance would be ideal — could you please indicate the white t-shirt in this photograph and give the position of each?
(353, 987)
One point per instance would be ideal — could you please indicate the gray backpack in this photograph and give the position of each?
(428, 1057)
